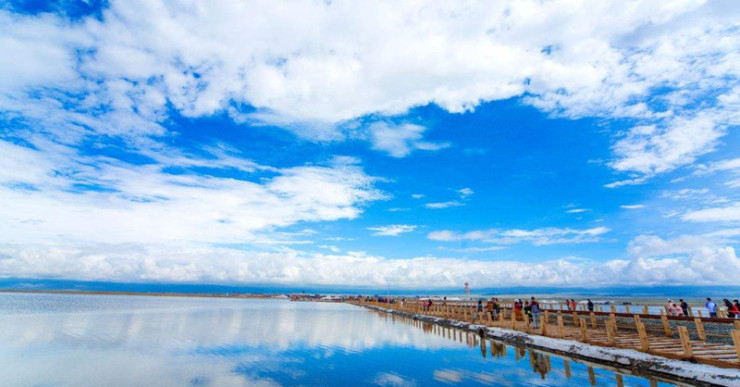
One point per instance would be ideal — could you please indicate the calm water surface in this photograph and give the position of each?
(88, 340)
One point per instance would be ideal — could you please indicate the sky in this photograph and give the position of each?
(380, 144)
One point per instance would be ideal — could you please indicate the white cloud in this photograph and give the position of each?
(540, 236)
(400, 140)
(577, 210)
(335, 64)
(650, 150)
(465, 193)
(417, 196)
(392, 230)
(441, 205)
(730, 213)
(632, 206)
(686, 260)
(127, 203)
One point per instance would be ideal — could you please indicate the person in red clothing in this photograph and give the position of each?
(736, 308)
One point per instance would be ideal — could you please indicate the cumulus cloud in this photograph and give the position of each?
(540, 236)
(577, 210)
(686, 260)
(334, 64)
(392, 230)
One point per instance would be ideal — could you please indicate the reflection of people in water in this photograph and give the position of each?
(538, 360)
(498, 349)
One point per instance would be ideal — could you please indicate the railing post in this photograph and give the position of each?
(561, 328)
(584, 332)
(543, 323)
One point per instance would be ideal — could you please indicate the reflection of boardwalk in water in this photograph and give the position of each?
(657, 335)
(539, 361)
(554, 325)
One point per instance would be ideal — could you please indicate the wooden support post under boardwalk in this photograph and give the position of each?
(700, 329)
(584, 332)
(627, 308)
(666, 326)
(699, 313)
(691, 312)
(736, 339)
(685, 343)
(575, 319)
(513, 320)
(737, 324)
(644, 344)
(561, 329)
(567, 368)
(593, 320)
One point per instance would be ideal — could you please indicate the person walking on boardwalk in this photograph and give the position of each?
(480, 306)
(489, 309)
(711, 307)
(728, 305)
(684, 307)
(590, 305)
(572, 304)
(528, 311)
(736, 308)
(535, 308)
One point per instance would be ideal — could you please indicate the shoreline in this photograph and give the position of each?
(629, 359)
(147, 294)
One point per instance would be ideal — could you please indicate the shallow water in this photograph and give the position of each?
(86, 340)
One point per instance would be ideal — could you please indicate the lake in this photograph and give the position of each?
(95, 340)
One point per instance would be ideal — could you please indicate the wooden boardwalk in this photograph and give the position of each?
(601, 329)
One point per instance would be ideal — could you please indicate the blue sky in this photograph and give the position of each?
(504, 144)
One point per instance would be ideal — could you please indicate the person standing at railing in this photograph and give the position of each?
(736, 308)
(590, 305)
(728, 305)
(535, 308)
(711, 307)
(518, 310)
(684, 307)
